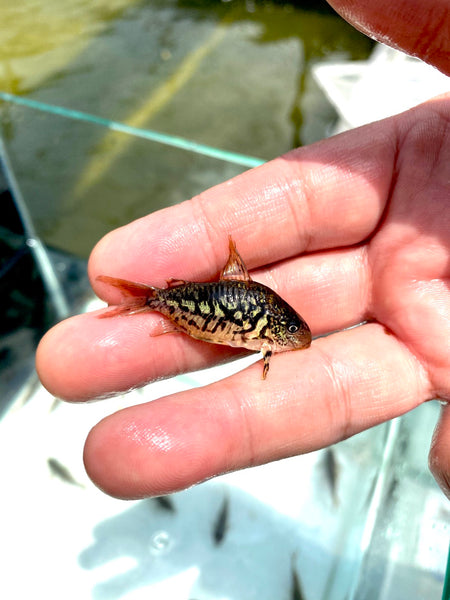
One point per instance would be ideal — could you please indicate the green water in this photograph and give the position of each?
(230, 75)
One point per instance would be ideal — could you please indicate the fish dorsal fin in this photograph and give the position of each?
(234, 267)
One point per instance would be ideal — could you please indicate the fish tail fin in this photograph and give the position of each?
(138, 296)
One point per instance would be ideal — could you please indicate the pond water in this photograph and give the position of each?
(232, 76)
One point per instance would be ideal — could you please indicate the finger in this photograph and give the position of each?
(327, 195)
(85, 357)
(331, 290)
(439, 460)
(419, 28)
(343, 384)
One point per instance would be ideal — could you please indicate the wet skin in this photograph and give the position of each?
(353, 228)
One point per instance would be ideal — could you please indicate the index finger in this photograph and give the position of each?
(326, 195)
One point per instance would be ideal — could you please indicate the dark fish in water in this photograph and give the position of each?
(62, 472)
(392, 490)
(296, 589)
(221, 523)
(235, 310)
(331, 467)
(165, 502)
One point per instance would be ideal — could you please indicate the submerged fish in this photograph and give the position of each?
(235, 310)
(59, 470)
(296, 591)
(221, 522)
(331, 468)
(164, 502)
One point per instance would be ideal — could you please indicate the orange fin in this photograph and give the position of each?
(129, 288)
(175, 282)
(137, 296)
(163, 327)
(234, 267)
(130, 308)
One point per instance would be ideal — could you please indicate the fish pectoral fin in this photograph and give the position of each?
(171, 283)
(163, 326)
(267, 353)
(129, 308)
(234, 268)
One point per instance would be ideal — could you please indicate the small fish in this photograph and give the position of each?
(392, 491)
(221, 522)
(59, 470)
(296, 588)
(165, 503)
(331, 468)
(235, 310)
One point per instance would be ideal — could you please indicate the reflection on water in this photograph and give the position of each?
(39, 39)
(232, 75)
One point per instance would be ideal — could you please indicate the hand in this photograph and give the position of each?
(355, 228)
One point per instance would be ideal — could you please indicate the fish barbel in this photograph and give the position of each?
(235, 310)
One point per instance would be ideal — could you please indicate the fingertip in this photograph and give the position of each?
(146, 450)
(77, 359)
(105, 252)
(50, 355)
(97, 461)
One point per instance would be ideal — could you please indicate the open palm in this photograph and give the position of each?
(355, 229)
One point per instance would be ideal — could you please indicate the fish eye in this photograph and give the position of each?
(292, 328)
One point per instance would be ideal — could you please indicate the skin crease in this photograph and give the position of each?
(353, 228)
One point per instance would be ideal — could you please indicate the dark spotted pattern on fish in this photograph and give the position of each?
(234, 310)
(236, 313)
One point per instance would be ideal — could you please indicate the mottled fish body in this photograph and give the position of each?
(235, 313)
(235, 310)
